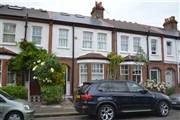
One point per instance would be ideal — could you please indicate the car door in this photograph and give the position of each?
(1, 107)
(121, 95)
(142, 98)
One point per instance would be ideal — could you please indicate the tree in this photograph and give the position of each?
(142, 57)
(114, 60)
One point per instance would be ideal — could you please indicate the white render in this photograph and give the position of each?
(170, 58)
(158, 55)
(19, 34)
(130, 51)
(61, 52)
(79, 50)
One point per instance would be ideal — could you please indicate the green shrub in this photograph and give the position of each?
(52, 94)
(16, 91)
(171, 90)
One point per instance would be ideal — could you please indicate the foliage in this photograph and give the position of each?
(115, 60)
(171, 90)
(52, 94)
(46, 68)
(49, 71)
(141, 56)
(151, 85)
(16, 91)
(28, 55)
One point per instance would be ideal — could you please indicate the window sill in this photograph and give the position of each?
(87, 49)
(100, 50)
(124, 52)
(66, 48)
(9, 44)
(154, 54)
(170, 55)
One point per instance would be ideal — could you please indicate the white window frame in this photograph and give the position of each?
(136, 43)
(9, 33)
(96, 71)
(87, 40)
(36, 36)
(123, 70)
(169, 48)
(137, 71)
(154, 46)
(124, 43)
(158, 75)
(102, 41)
(63, 37)
(83, 72)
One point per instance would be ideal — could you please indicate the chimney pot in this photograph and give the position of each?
(98, 11)
(170, 23)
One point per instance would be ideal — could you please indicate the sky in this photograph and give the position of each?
(149, 12)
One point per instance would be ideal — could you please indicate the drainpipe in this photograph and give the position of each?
(26, 27)
(147, 40)
(73, 62)
(177, 58)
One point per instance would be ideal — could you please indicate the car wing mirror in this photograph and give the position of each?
(143, 91)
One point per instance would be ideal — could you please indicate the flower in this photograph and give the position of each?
(38, 61)
(34, 68)
(52, 70)
(42, 63)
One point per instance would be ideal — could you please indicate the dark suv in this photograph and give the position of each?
(107, 98)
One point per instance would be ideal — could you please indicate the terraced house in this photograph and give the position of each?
(82, 43)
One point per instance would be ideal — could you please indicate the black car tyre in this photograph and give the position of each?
(163, 109)
(105, 112)
(14, 116)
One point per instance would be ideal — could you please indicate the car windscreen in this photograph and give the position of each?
(6, 95)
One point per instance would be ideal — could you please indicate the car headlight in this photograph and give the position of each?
(26, 107)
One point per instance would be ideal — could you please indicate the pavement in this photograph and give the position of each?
(66, 108)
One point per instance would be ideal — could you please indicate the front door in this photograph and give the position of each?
(67, 82)
(169, 78)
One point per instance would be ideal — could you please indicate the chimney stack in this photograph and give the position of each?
(98, 11)
(170, 24)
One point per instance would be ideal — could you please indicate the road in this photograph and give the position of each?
(174, 115)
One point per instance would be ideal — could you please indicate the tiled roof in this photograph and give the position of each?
(92, 56)
(6, 10)
(4, 51)
(129, 58)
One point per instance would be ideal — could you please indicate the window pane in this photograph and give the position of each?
(97, 71)
(36, 34)
(87, 39)
(9, 32)
(118, 87)
(124, 72)
(102, 41)
(153, 46)
(155, 75)
(83, 73)
(63, 38)
(124, 43)
(137, 73)
(134, 87)
(169, 48)
(136, 43)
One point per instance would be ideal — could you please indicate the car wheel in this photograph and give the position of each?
(14, 116)
(105, 112)
(163, 109)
